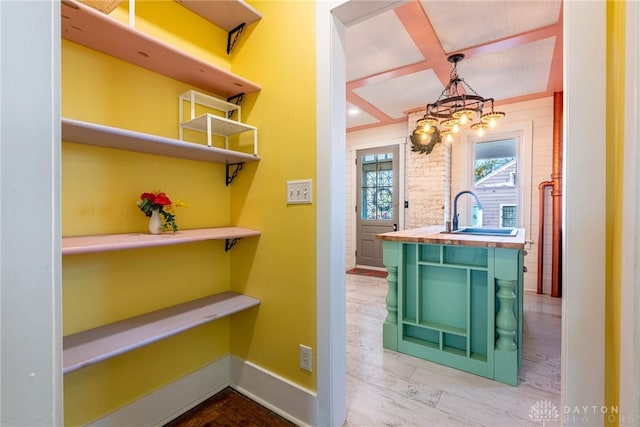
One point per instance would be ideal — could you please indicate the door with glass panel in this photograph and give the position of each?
(377, 201)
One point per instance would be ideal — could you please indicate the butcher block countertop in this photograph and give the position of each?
(435, 235)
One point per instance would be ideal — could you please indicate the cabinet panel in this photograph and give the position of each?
(479, 316)
(443, 297)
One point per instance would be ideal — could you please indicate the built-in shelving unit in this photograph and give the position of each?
(116, 242)
(89, 27)
(85, 25)
(123, 139)
(95, 345)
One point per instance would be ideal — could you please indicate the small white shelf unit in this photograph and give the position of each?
(96, 345)
(214, 124)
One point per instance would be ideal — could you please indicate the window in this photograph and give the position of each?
(495, 172)
(508, 216)
(377, 186)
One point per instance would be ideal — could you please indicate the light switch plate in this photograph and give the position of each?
(299, 192)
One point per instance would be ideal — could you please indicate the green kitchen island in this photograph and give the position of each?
(456, 299)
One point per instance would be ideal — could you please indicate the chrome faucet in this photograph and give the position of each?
(455, 207)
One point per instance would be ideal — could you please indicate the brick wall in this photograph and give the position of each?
(428, 179)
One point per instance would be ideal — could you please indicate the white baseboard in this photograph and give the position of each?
(280, 395)
(289, 400)
(165, 404)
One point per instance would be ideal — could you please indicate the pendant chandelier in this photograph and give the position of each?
(458, 105)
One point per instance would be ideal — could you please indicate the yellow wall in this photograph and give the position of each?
(100, 188)
(280, 268)
(614, 187)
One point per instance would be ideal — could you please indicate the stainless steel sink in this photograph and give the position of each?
(481, 231)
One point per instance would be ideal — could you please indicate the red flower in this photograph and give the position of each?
(162, 200)
(157, 202)
(149, 196)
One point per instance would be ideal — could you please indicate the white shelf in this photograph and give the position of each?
(122, 139)
(225, 14)
(219, 125)
(89, 27)
(95, 345)
(115, 242)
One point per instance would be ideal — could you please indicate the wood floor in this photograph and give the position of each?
(385, 388)
(389, 389)
(229, 408)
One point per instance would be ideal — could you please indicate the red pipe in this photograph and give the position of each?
(556, 196)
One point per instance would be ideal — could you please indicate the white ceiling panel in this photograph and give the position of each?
(462, 24)
(357, 117)
(393, 97)
(355, 11)
(510, 73)
(512, 50)
(379, 44)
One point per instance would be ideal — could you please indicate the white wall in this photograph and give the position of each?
(30, 284)
(331, 405)
(584, 193)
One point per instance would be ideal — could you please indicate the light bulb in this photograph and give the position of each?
(480, 131)
(423, 136)
(427, 128)
(463, 119)
(492, 123)
(449, 138)
(455, 128)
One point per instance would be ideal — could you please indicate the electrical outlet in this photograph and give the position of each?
(306, 358)
(299, 192)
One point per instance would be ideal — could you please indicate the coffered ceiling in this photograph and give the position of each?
(397, 55)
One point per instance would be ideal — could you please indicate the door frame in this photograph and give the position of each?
(353, 183)
(584, 37)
